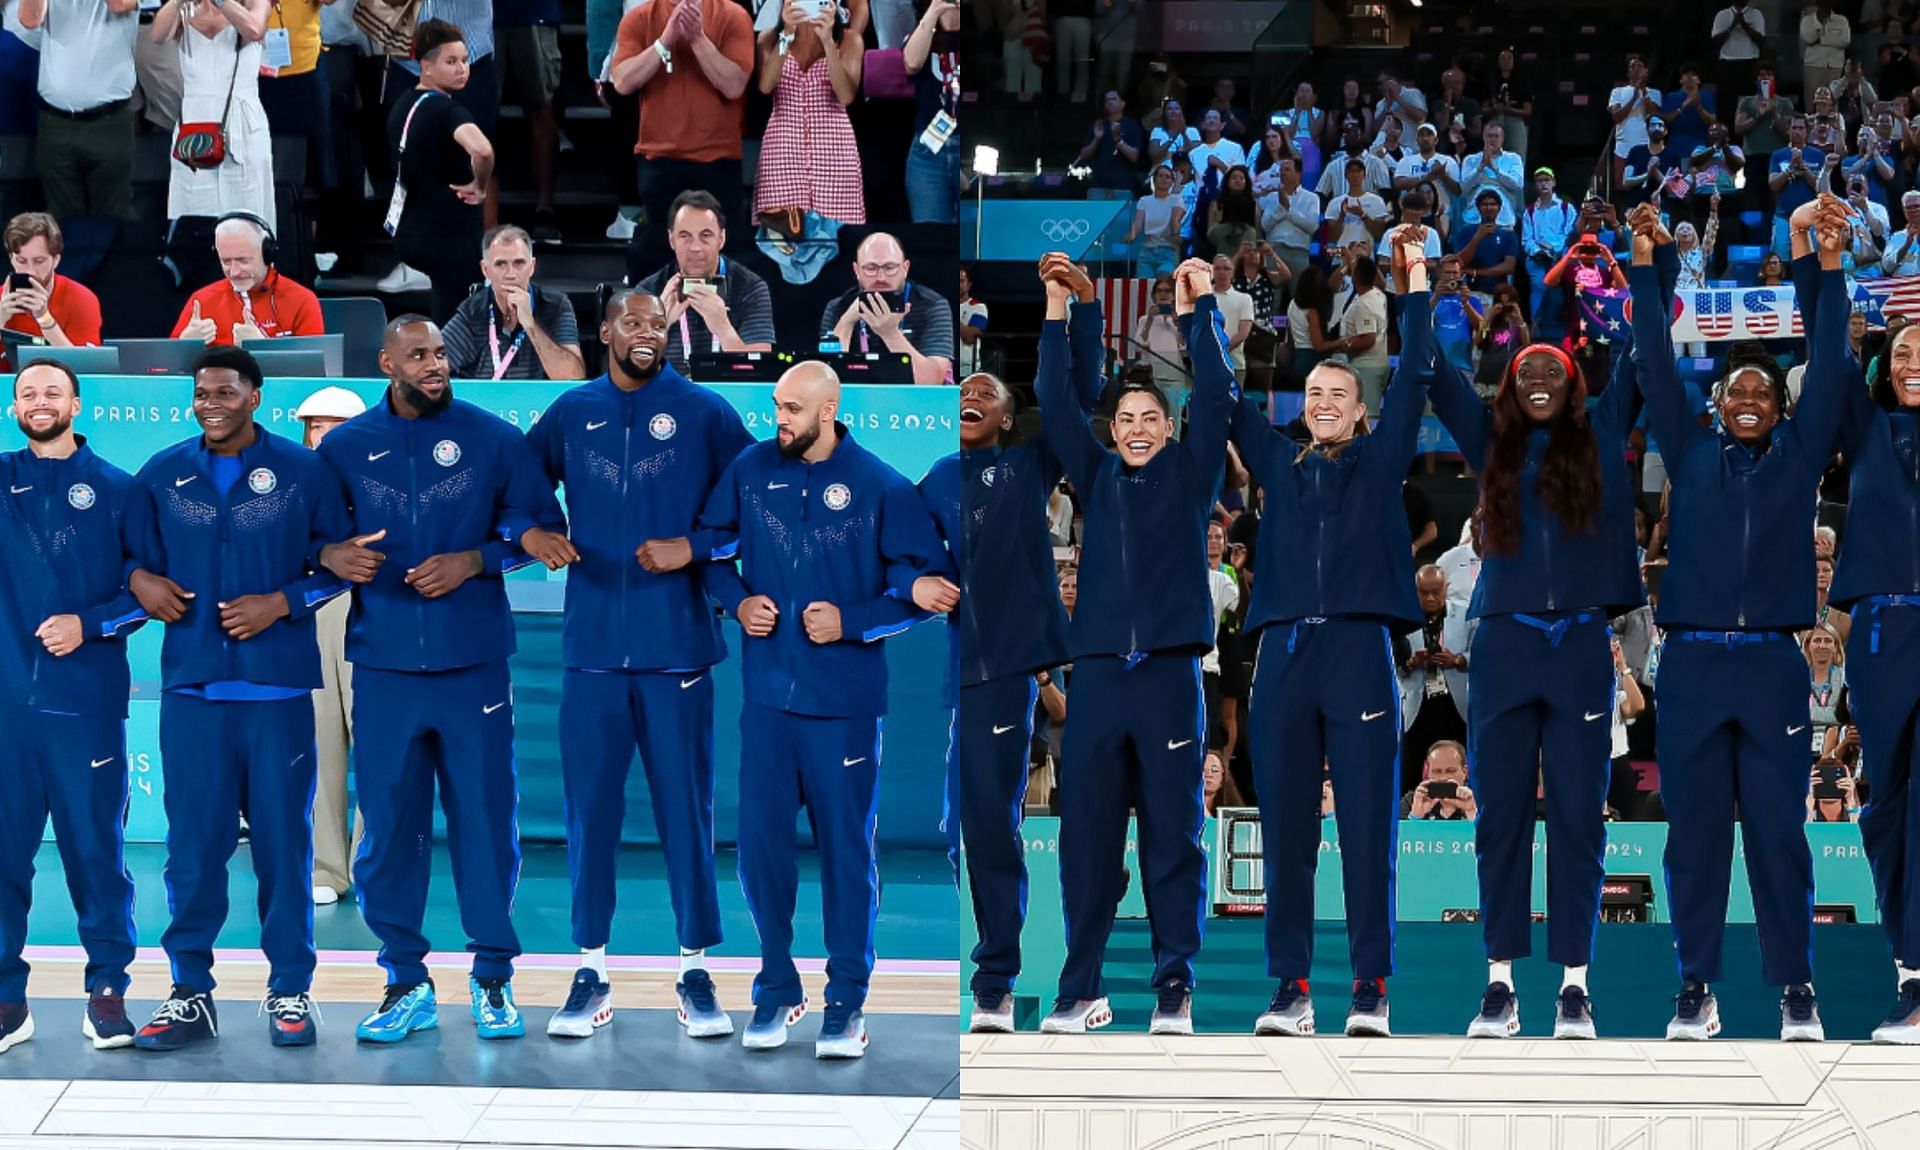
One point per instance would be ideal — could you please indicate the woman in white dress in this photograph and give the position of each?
(221, 51)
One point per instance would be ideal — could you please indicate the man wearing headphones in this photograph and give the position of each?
(253, 301)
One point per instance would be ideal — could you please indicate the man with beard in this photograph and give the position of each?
(239, 512)
(990, 503)
(445, 498)
(70, 524)
(823, 531)
(640, 641)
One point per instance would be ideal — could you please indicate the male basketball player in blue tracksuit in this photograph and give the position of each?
(71, 525)
(818, 524)
(1733, 693)
(444, 499)
(1136, 733)
(639, 450)
(242, 515)
(1007, 624)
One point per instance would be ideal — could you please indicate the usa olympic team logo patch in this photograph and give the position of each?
(989, 475)
(446, 453)
(662, 426)
(80, 495)
(837, 497)
(262, 480)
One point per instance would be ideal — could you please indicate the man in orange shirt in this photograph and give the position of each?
(690, 60)
(45, 305)
(254, 301)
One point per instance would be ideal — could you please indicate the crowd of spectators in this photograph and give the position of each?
(739, 116)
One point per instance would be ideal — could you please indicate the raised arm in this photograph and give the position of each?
(1405, 401)
(1666, 395)
(1215, 390)
(1061, 416)
(1831, 366)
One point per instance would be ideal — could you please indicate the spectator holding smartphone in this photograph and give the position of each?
(36, 300)
(811, 66)
(1443, 794)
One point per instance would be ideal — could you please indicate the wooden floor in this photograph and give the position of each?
(532, 986)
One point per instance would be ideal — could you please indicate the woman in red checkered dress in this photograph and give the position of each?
(809, 160)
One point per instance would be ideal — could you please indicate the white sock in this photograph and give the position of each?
(692, 960)
(1499, 970)
(1576, 976)
(596, 961)
(1904, 973)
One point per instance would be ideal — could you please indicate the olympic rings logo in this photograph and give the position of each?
(1059, 230)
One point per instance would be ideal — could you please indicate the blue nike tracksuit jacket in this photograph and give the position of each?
(991, 507)
(1336, 580)
(839, 531)
(71, 529)
(1541, 670)
(1136, 731)
(236, 721)
(431, 674)
(639, 465)
(1733, 683)
(1878, 580)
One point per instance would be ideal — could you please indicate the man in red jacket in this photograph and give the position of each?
(35, 300)
(254, 301)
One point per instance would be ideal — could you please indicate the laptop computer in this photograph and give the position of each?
(83, 360)
(332, 348)
(739, 366)
(308, 364)
(158, 356)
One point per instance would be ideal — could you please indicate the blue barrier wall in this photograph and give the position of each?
(128, 418)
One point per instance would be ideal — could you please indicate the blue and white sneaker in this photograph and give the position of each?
(768, 1030)
(494, 1014)
(186, 1017)
(1696, 1014)
(404, 1008)
(1499, 1015)
(1367, 1014)
(700, 1009)
(16, 1025)
(589, 1006)
(1290, 1012)
(1172, 1010)
(105, 1021)
(1800, 1015)
(1573, 1015)
(843, 1033)
(1901, 1028)
(992, 1012)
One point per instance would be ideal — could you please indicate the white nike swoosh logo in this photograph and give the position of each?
(851, 762)
(1593, 715)
(776, 486)
(105, 761)
(1370, 716)
(18, 490)
(685, 683)
(380, 455)
(184, 482)
(1173, 746)
(1003, 730)
(492, 709)
(596, 426)
(1794, 730)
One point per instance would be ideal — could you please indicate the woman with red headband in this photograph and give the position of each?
(1732, 688)
(1558, 561)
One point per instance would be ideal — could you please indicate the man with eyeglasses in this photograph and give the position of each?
(1902, 256)
(887, 312)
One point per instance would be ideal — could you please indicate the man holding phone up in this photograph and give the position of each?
(887, 312)
(712, 305)
(35, 300)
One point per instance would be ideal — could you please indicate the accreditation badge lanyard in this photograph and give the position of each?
(501, 363)
(399, 203)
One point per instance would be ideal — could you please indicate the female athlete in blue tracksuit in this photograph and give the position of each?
(1559, 561)
(1336, 577)
(1733, 683)
(1136, 732)
(990, 502)
(1878, 580)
